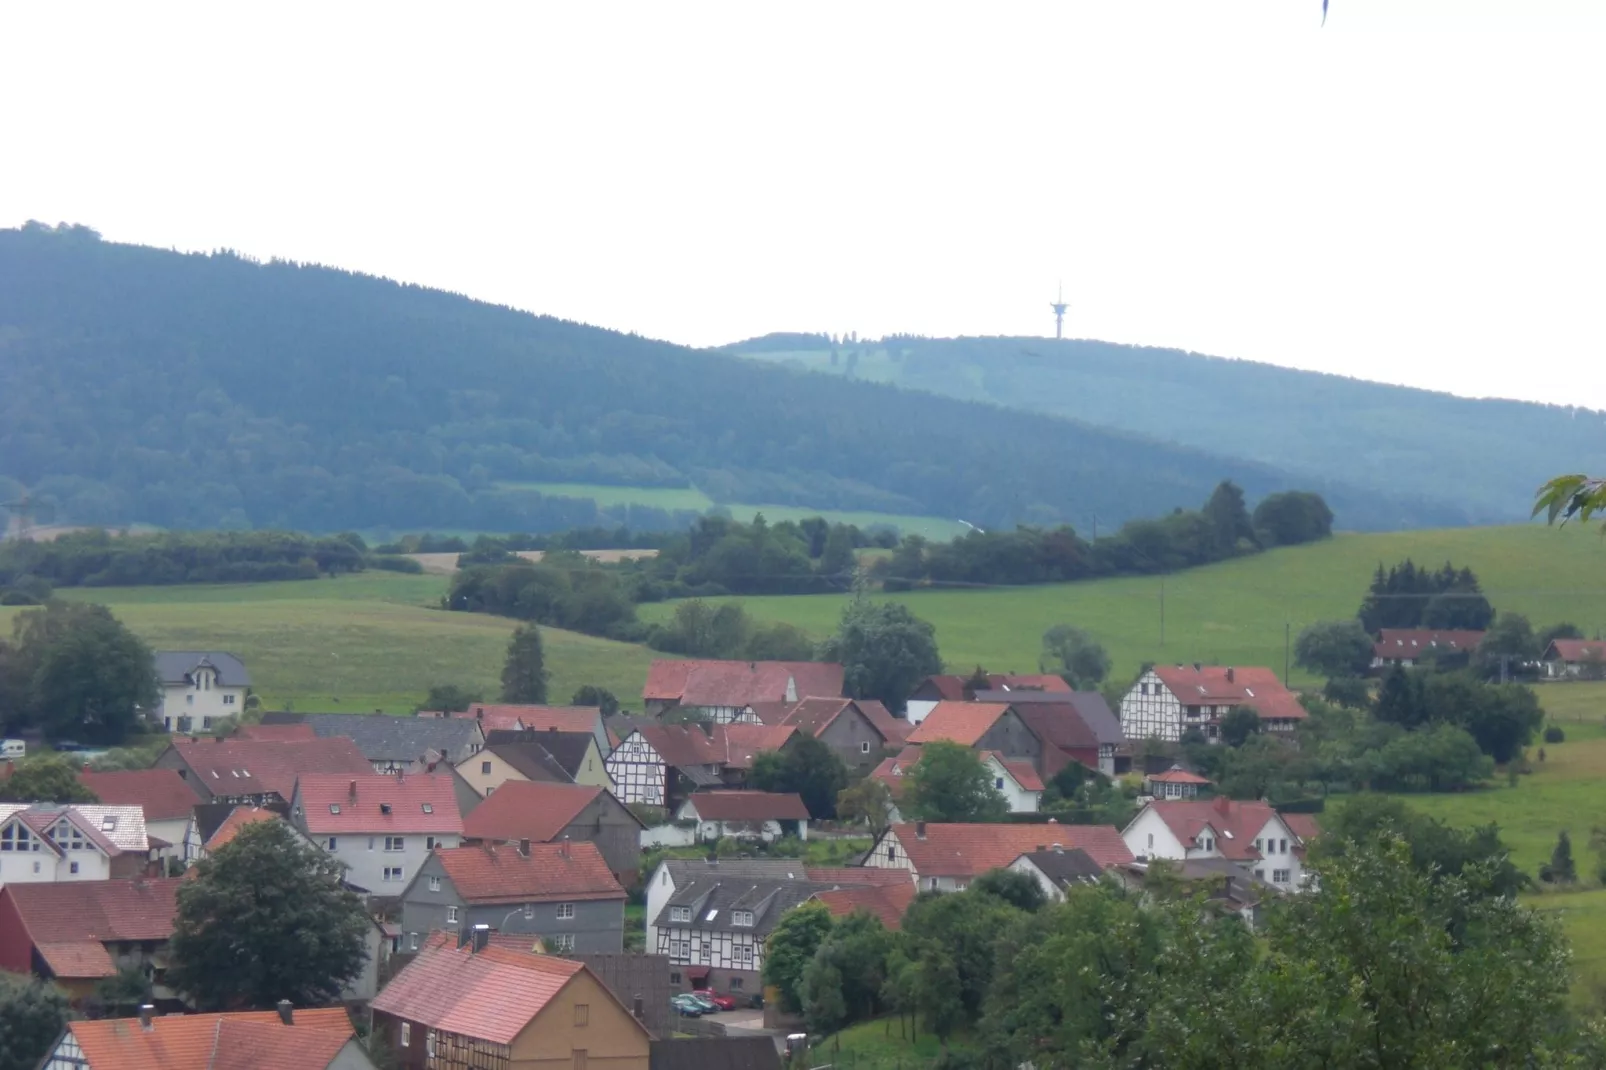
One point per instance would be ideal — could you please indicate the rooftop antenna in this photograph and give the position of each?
(1059, 306)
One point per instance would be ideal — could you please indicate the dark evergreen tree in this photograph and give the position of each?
(524, 676)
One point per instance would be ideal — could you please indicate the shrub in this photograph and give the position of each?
(1554, 734)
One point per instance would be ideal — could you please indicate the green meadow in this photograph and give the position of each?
(1236, 612)
(371, 641)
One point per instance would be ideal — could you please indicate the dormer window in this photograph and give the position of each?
(108, 823)
(384, 808)
(680, 913)
(334, 808)
(429, 808)
(743, 918)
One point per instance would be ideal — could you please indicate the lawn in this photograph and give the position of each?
(879, 1044)
(1237, 612)
(370, 641)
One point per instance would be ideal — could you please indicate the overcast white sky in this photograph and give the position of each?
(1416, 193)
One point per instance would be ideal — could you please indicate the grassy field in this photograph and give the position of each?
(691, 498)
(1236, 612)
(357, 643)
(879, 1044)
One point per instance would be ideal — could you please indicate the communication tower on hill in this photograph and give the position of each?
(1059, 306)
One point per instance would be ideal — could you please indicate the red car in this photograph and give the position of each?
(724, 1003)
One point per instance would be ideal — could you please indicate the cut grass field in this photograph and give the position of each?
(357, 643)
(1236, 612)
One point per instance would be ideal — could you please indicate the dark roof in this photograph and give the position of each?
(714, 1053)
(533, 762)
(747, 806)
(175, 666)
(1066, 867)
(630, 976)
(1094, 710)
(382, 737)
(566, 751)
(715, 900)
(682, 870)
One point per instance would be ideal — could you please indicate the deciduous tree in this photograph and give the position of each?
(1075, 654)
(1334, 648)
(790, 948)
(32, 1016)
(599, 697)
(868, 801)
(950, 783)
(884, 649)
(88, 675)
(45, 778)
(451, 698)
(808, 767)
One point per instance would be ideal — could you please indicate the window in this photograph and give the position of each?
(582, 1014)
(864, 747)
(931, 883)
(393, 873)
(451, 915)
(744, 953)
(189, 700)
(429, 808)
(395, 843)
(429, 1042)
(1151, 841)
(679, 949)
(565, 911)
(892, 853)
(1282, 847)
(430, 843)
(998, 782)
(332, 842)
(680, 913)
(1257, 845)
(412, 941)
(578, 1060)
(529, 911)
(206, 722)
(407, 1034)
(563, 942)
(1260, 874)
(488, 792)
(485, 768)
(736, 984)
(674, 978)
(742, 917)
(334, 808)
(1279, 876)
(72, 867)
(36, 867)
(434, 884)
(228, 700)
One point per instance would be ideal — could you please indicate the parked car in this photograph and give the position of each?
(685, 1005)
(723, 1002)
(708, 1005)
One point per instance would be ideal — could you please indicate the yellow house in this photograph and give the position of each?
(553, 757)
(489, 1004)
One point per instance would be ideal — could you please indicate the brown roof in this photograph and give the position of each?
(530, 760)
(1214, 685)
(244, 1040)
(886, 902)
(1575, 650)
(1236, 823)
(715, 744)
(957, 722)
(1058, 724)
(535, 718)
(488, 995)
(893, 729)
(953, 688)
(250, 767)
(275, 732)
(379, 802)
(75, 919)
(738, 683)
(744, 742)
(969, 850)
(550, 872)
(161, 793)
(528, 810)
(855, 876)
(815, 715)
(748, 806)
(1023, 771)
(78, 959)
(1397, 644)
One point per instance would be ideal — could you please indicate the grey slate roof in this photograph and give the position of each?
(382, 737)
(568, 749)
(714, 1053)
(1090, 705)
(715, 900)
(682, 870)
(175, 666)
(1068, 867)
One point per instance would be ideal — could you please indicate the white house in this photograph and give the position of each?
(1174, 783)
(1405, 647)
(1057, 870)
(675, 874)
(707, 816)
(47, 843)
(947, 857)
(165, 798)
(1251, 834)
(199, 688)
(381, 827)
(1168, 700)
(1575, 659)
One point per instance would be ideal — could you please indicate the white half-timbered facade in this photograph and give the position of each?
(1168, 700)
(638, 772)
(714, 926)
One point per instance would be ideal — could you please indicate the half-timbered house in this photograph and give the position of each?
(714, 929)
(1168, 700)
(659, 765)
(723, 691)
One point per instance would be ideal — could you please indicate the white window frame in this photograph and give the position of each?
(434, 884)
(565, 911)
(680, 913)
(397, 870)
(563, 942)
(395, 844)
(406, 1034)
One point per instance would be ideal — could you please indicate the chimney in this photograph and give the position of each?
(352, 792)
(1059, 848)
(286, 1015)
(563, 847)
(464, 937)
(482, 936)
(1229, 674)
(551, 728)
(479, 714)
(145, 1012)
(524, 848)
(1223, 804)
(920, 830)
(636, 1007)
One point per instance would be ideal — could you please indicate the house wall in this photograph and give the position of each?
(660, 887)
(1277, 843)
(16, 949)
(1053, 892)
(1150, 711)
(1010, 737)
(638, 772)
(614, 830)
(916, 709)
(1149, 836)
(17, 867)
(597, 925)
(735, 959)
(485, 772)
(366, 859)
(365, 986)
(1019, 799)
(669, 835)
(198, 701)
(611, 1038)
(854, 739)
(176, 832)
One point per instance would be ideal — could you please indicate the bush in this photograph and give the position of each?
(1554, 734)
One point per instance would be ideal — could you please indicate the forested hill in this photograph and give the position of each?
(197, 391)
(1485, 455)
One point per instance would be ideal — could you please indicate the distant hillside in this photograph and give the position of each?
(203, 391)
(1487, 456)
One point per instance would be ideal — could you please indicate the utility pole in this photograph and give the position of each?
(1287, 631)
(1162, 609)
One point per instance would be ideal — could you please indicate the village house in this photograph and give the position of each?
(78, 934)
(659, 765)
(981, 726)
(562, 893)
(551, 756)
(45, 843)
(1058, 869)
(164, 798)
(521, 717)
(1174, 783)
(1078, 724)
(243, 772)
(857, 730)
(1013, 778)
(1577, 659)
(217, 824)
(947, 857)
(552, 813)
(714, 928)
(391, 744)
(199, 689)
(304, 1039)
(723, 691)
(949, 688)
(887, 903)
(1252, 834)
(707, 816)
(1168, 700)
(380, 827)
(1406, 646)
(481, 1005)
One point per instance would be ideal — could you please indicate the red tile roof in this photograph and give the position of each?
(893, 729)
(379, 802)
(885, 902)
(892, 771)
(275, 732)
(161, 793)
(1302, 825)
(957, 722)
(74, 919)
(489, 995)
(953, 688)
(528, 810)
(737, 683)
(251, 767)
(78, 960)
(1236, 824)
(744, 742)
(1176, 776)
(734, 745)
(238, 818)
(550, 872)
(535, 718)
(1023, 771)
(1575, 650)
(246, 1040)
(748, 806)
(1209, 685)
(965, 851)
(1397, 644)
(856, 876)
